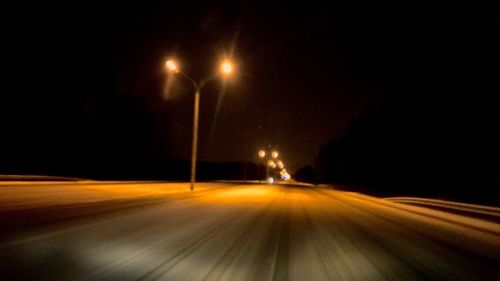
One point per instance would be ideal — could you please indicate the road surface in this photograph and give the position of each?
(156, 231)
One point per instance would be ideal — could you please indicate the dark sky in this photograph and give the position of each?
(92, 74)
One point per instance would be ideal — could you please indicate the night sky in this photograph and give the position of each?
(87, 80)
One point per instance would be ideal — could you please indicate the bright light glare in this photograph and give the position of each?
(226, 67)
(275, 154)
(262, 153)
(271, 163)
(284, 175)
(172, 66)
(270, 180)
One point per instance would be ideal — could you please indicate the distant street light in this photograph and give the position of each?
(284, 175)
(172, 66)
(275, 154)
(262, 153)
(226, 69)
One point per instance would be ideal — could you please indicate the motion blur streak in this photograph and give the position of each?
(223, 231)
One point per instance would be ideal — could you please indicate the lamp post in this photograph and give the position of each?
(262, 154)
(226, 68)
(275, 154)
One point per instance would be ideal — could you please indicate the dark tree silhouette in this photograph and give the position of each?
(305, 174)
(415, 149)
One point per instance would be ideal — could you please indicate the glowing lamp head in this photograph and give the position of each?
(226, 67)
(262, 153)
(275, 154)
(172, 66)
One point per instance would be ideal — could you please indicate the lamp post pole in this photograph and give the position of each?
(267, 171)
(195, 136)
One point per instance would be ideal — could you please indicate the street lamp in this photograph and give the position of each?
(226, 66)
(172, 66)
(274, 154)
(226, 69)
(262, 153)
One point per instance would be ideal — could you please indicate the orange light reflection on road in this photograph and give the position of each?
(238, 196)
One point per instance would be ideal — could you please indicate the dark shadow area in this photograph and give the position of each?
(417, 149)
(305, 174)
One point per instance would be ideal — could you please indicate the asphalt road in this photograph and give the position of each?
(153, 231)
